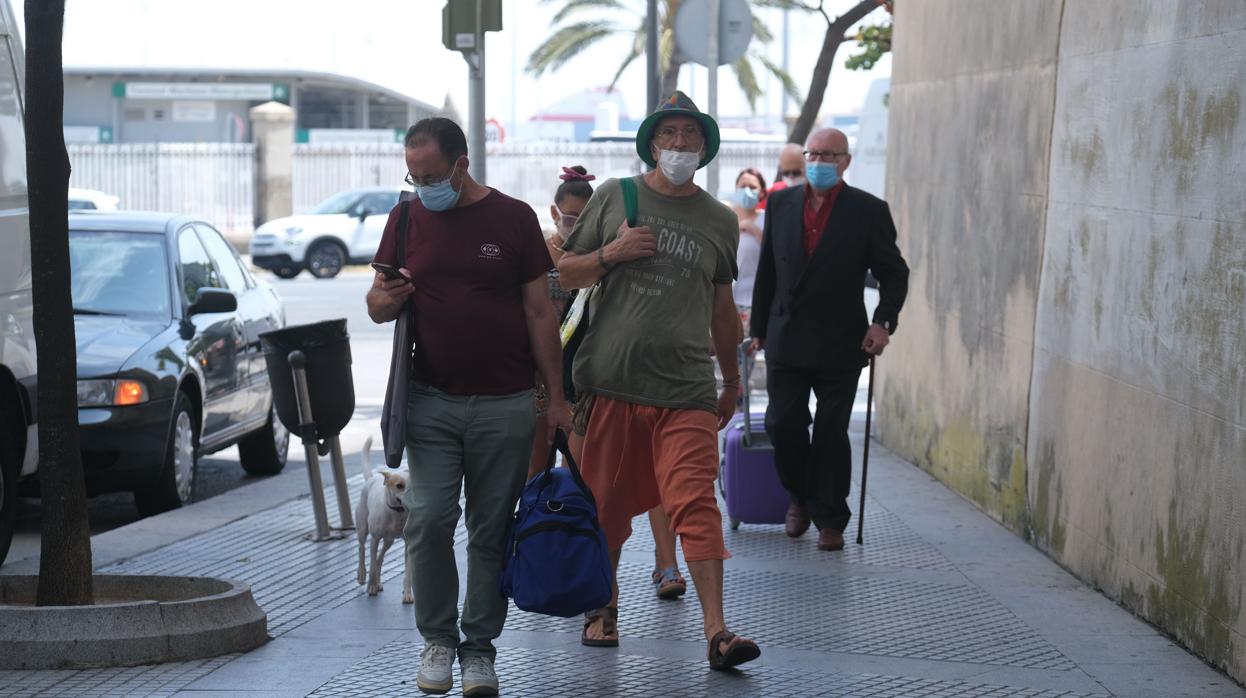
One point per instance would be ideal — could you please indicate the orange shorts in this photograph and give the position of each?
(637, 457)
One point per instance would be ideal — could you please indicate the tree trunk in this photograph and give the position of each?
(822, 69)
(65, 552)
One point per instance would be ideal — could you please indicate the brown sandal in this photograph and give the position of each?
(739, 651)
(609, 617)
(669, 583)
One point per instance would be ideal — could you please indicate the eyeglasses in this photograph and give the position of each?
(791, 173)
(822, 155)
(429, 181)
(691, 134)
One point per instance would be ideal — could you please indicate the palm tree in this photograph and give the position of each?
(626, 18)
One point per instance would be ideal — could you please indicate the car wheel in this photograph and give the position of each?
(287, 272)
(10, 468)
(326, 259)
(263, 452)
(175, 485)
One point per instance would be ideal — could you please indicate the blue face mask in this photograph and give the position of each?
(440, 196)
(746, 198)
(822, 175)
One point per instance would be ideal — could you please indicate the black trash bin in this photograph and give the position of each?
(330, 385)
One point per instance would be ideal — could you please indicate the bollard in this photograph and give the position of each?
(307, 432)
(339, 485)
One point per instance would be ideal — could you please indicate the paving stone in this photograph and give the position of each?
(897, 603)
(865, 615)
(550, 674)
(146, 681)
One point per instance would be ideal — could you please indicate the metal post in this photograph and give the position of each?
(786, 61)
(711, 172)
(346, 523)
(476, 102)
(651, 58)
(307, 432)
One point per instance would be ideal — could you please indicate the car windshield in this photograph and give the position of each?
(338, 203)
(119, 274)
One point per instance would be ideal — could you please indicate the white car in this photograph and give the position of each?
(344, 229)
(91, 200)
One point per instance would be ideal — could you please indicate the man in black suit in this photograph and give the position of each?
(809, 316)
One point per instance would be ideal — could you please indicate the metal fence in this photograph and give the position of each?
(324, 169)
(213, 180)
(217, 180)
(526, 171)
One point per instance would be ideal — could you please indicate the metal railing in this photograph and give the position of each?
(215, 181)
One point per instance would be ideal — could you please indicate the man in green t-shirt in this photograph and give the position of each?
(663, 286)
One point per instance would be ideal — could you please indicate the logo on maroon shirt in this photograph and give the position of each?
(490, 250)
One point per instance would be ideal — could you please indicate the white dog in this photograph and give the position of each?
(382, 515)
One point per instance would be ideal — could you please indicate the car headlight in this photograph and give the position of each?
(295, 230)
(109, 392)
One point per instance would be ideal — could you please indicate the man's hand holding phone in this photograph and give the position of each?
(395, 284)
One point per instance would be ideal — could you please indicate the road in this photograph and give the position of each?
(307, 300)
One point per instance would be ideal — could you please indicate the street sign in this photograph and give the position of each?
(735, 30)
(458, 22)
(250, 91)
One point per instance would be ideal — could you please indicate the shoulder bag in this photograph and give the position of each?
(394, 411)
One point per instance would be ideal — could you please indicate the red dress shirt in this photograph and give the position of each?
(815, 220)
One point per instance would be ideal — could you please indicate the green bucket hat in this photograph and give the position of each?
(678, 105)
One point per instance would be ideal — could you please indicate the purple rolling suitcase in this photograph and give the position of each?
(748, 479)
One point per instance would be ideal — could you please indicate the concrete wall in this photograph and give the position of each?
(1073, 354)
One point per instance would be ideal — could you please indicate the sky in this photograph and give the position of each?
(397, 44)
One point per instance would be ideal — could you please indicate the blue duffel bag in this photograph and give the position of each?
(557, 563)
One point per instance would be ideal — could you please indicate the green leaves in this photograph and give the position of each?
(570, 40)
(567, 43)
(875, 40)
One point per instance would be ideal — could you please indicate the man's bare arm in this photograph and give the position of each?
(725, 334)
(386, 297)
(584, 270)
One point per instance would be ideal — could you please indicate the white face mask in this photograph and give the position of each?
(678, 167)
(793, 181)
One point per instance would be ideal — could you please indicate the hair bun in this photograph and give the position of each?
(577, 173)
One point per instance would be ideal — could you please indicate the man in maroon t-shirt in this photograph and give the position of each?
(484, 328)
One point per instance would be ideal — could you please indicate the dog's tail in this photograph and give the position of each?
(367, 459)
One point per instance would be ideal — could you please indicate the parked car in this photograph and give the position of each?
(168, 320)
(344, 229)
(91, 200)
(18, 445)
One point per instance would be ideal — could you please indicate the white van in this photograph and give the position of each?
(18, 452)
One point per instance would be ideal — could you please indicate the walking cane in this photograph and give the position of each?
(865, 457)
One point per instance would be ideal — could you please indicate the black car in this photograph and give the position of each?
(168, 322)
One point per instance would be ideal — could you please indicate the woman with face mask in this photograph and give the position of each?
(569, 200)
(750, 193)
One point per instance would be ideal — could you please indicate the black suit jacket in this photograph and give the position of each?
(810, 312)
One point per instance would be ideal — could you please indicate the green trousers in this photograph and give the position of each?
(477, 444)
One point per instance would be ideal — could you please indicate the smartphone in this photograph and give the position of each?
(390, 272)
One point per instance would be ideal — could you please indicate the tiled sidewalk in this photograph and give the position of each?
(940, 601)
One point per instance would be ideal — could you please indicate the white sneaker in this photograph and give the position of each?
(479, 679)
(436, 669)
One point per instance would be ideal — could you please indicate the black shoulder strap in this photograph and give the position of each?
(404, 212)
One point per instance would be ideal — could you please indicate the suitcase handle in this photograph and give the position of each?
(746, 370)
